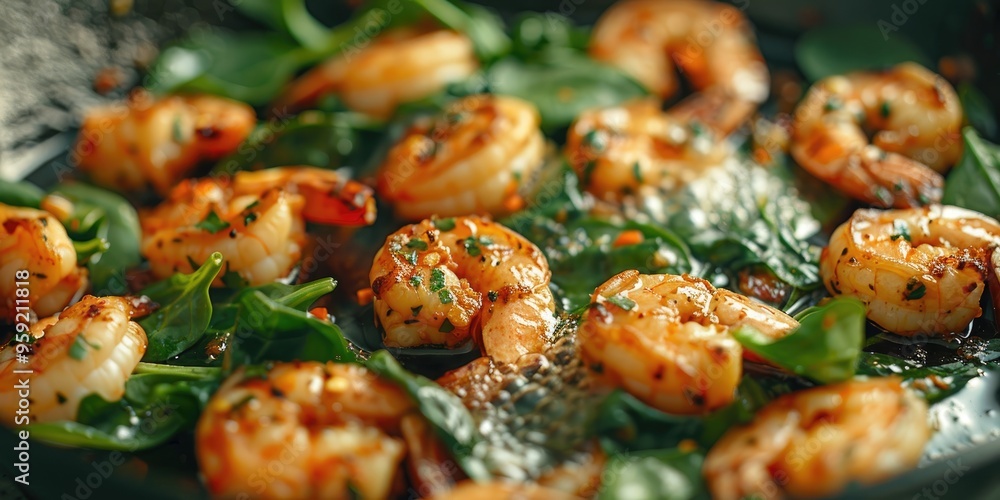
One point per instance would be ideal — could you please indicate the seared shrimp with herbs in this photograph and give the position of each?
(616, 151)
(256, 220)
(471, 159)
(444, 281)
(157, 142)
(815, 442)
(335, 428)
(711, 42)
(666, 339)
(35, 248)
(90, 348)
(918, 270)
(915, 116)
(399, 66)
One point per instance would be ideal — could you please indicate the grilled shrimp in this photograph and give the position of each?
(255, 219)
(468, 160)
(441, 281)
(814, 442)
(34, 241)
(399, 66)
(90, 348)
(619, 149)
(915, 116)
(501, 490)
(666, 339)
(157, 142)
(918, 270)
(711, 42)
(303, 430)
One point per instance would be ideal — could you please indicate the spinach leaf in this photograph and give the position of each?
(626, 424)
(20, 194)
(739, 215)
(155, 407)
(122, 233)
(442, 409)
(534, 33)
(287, 16)
(184, 312)
(835, 50)
(656, 474)
(975, 182)
(562, 84)
(249, 67)
(825, 347)
(978, 110)
(311, 138)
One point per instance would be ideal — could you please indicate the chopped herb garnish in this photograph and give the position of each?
(493, 295)
(445, 296)
(417, 244)
(177, 131)
(622, 302)
(833, 104)
(250, 216)
(416, 280)
(595, 141)
(915, 289)
(437, 279)
(637, 172)
(697, 129)
(60, 397)
(900, 230)
(884, 110)
(243, 402)
(472, 244)
(411, 257)
(212, 223)
(446, 327)
(444, 224)
(416, 310)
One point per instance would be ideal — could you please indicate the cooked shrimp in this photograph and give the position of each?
(35, 242)
(399, 66)
(90, 348)
(442, 281)
(666, 338)
(617, 150)
(815, 442)
(711, 42)
(918, 270)
(255, 219)
(470, 159)
(303, 430)
(157, 142)
(501, 490)
(915, 116)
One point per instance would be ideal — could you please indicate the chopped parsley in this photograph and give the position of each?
(595, 140)
(416, 280)
(472, 245)
(411, 257)
(250, 216)
(900, 230)
(416, 310)
(637, 172)
(417, 244)
(833, 104)
(446, 327)
(884, 110)
(444, 224)
(445, 296)
(212, 223)
(622, 302)
(437, 279)
(915, 289)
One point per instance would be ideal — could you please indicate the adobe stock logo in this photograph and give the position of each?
(900, 15)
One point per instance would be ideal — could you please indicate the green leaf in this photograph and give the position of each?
(535, 33)
(86, 249)
(657, 474)
(184, 313)
(825, 347)
(835, 50)
(20, 194)
(975, 182)
(288, 16)
(212, 223)
(155, 407)
(123, 234)
(978, 110)
(626, 424)
(442, 409)
(484, 28)
(562, 84)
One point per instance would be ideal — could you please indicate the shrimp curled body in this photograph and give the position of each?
(256, 220)
(399, 66)
(468, 160)
(441, 281)
(334, 428)
(815, 442)
(157, 142)
(35, 243)
(710, 41)
(666, 338)
(918, 270)
(916, 117)
(90, 348)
